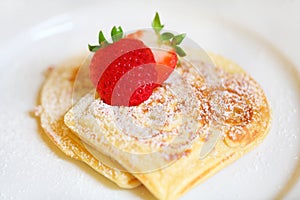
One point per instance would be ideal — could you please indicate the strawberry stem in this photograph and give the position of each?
(156, 24)
(168, 38)
(116, 35)
(101, 38)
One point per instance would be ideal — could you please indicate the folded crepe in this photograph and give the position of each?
(159, 141)
(56, 98)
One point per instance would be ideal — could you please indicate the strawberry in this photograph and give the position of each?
(166, 62)
(126, 72)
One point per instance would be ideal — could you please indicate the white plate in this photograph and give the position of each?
(32, 168)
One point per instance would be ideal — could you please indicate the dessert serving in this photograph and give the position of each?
(144, 107)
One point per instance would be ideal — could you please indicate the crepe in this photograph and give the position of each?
(55, 100)
(236, 106)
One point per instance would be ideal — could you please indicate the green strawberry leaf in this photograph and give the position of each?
(179, 51)
(94, 48)
(166, 36)
(156, 24)
(116, 33)
(101, 38)
(177, 39)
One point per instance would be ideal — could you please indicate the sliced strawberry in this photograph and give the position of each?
(166, 63)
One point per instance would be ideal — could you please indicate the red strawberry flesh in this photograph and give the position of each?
(125, 73)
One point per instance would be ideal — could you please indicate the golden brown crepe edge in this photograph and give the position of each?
(66, 141)
(234, 153)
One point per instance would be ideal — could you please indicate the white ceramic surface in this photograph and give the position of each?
(32, 168)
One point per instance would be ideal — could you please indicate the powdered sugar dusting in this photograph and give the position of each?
(176, 113)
